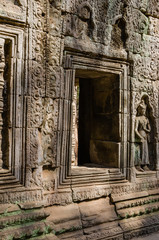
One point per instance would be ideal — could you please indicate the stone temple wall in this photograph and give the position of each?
(111, 49)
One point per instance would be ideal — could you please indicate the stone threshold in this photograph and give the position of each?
(92, 175)
(8, 180)
(146, 174)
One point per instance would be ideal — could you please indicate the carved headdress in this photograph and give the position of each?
(142, 106)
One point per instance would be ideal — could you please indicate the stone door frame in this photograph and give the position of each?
(15, 35)
(73, 62)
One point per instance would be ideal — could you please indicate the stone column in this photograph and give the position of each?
(2, 65)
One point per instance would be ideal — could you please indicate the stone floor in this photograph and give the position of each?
(153, 236)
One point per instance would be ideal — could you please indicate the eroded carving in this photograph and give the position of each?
(142, 129)
(75, 106)
(81, 26)
(13, 9)
(119, 35)
(12, 2)
(2, 65)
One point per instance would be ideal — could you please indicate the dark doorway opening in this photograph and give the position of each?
(85, 121)
(96, 120)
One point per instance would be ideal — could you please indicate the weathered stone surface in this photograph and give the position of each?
(73, 235)
(100, 149)
(117, 198)
(86, 220)
(92, 212)
(140, 225)
(8, 208)
(65, 217)
(153, 236)
(104, 231)
(139, 210)
(20, 217)
(136, 202)
(26, 231)
(46, 237)
(18, 223)
(31, 205)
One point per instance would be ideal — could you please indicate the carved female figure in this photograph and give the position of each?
(142, 129)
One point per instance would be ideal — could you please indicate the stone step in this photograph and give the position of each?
(31, 205)
(7, 179)
(138, 210)
(101, 179)
(146, 174)
(140, 225)
(87, 176)
(11, 186)
(46, 237)
(128, 196)
(96, 180)
(90, 183)
(81, 170)
(88, 180)
(5, 174)
(95, 175)
(9, 182)
(137, 202)
(148, 236)
(20, 217)
(23, 221)
(8, 208)
(18, 207)
(26, 231)
(4, 171)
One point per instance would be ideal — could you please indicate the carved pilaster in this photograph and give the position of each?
(2, 64)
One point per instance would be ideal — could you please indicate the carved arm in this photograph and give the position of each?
(148, 127)
(136, 129)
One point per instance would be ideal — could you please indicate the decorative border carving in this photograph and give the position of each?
(2, 65)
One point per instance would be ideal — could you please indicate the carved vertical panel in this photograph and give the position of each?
(44, 93)
(2, 64)
(36, 90)
(75, 120)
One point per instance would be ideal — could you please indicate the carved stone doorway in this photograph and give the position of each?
(96, 120)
